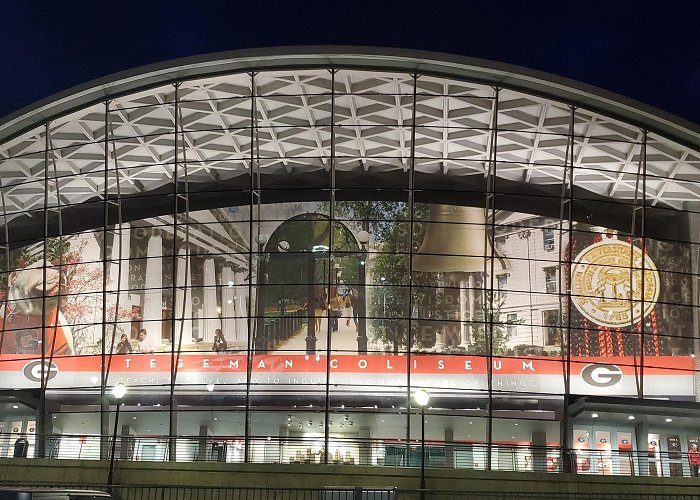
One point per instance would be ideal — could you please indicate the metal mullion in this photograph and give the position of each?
(6, 233)
(249, 354)
(104, 365)
(109, 128)
(172, 428)
(326, 430)
(488, 296)
(176, 260)
(41, 414)
(411, 218)
(566, 208)
(45, 382)
(639, 375)
(643, 164)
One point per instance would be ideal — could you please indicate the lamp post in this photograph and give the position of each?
(421, 397)
(363, 239)
(118, 392)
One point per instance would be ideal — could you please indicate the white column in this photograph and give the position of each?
(228, 306)
(211, 321)
(241, 311)
(152, 311)
(183, 299)
(465, 306)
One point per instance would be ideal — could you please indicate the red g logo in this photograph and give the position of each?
(601, 374)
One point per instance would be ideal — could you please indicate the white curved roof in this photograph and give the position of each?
(367, 95)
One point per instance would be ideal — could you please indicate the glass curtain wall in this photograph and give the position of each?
(269, 302)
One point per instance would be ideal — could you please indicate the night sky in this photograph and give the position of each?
(649, 51)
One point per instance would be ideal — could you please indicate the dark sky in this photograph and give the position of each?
(643, 49)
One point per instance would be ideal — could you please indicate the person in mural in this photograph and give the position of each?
(124, 346)
(335, 311)
(220, 343)
(694, 459)
(356, 304)
(23, 316)
(143, 345)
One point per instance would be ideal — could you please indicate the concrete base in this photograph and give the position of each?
(309, 476)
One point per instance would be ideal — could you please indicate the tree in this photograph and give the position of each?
(490, 312)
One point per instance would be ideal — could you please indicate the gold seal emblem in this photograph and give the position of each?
(607, 286)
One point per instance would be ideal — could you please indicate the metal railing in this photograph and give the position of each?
(352, 451)
(152, 492)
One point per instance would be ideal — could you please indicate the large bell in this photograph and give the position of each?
(455, 241)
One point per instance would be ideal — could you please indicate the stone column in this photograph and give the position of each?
(211, 315)
(641, 432)
(228, 306)
(183, 299)
(449, 448)
(465, 295)
(120, 276)
(152, 311)
(203, 443)
(365, 457)
(539, 451)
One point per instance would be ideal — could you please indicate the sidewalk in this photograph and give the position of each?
(345, 339)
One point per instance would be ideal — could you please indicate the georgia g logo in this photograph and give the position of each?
(32, 370)
(601, 374)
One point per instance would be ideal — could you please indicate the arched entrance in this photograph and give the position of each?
(307, 261)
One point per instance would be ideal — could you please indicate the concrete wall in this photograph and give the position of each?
(135, 474)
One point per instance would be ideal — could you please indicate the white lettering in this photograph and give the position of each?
(362, 364)
(527, 365)
(128, 362)
(205, 362)
(441, 364)
(232, 363)
(334, 363)
(261, 364)
(152, 363)
(388, 365)
(468, 364)
(289, 363)
(497, 364)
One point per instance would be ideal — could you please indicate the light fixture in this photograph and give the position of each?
(133, 418)
(216, 418)
(15, 406)
(119, 390)
(269, 438)
(210, 387)
(363, 237)
(668, 420)
(594, 415)
(421, 397)
(512, 437)
(230, 284)
(631, 417)
(516, 423)
(229, 301)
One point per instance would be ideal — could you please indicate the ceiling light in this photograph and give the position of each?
(669, 420)
(594, 415)
(631, 417)
(15, 406)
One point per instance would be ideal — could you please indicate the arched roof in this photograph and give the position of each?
(468, 113)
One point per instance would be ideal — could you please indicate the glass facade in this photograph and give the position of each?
(273, 263)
